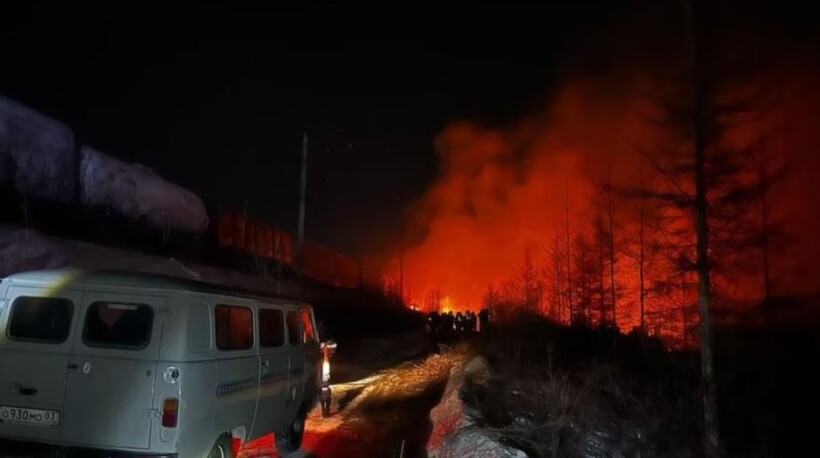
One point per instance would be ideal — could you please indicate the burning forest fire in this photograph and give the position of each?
(506, 192)
(570, 213)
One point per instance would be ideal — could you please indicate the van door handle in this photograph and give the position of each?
(72, 367)
(266, 363)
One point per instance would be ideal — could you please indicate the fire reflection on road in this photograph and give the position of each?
(383, 415)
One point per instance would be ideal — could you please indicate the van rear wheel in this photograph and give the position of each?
(290, 440)
(222, 448)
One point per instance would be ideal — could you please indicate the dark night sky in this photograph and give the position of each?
(215, 97)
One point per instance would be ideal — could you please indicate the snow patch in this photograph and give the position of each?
(26, 249)
(454, 433)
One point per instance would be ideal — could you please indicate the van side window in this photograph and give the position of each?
(271, 328)
(111, 324)
(40, 319)
(308, 333)
(234, 327)
(294, 334)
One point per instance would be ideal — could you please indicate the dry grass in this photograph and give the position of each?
(586, 413)
(558, 392)
(413, 379)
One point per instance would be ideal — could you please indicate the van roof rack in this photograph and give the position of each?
(131, 279)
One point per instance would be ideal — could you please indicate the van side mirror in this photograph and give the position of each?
(330, 344)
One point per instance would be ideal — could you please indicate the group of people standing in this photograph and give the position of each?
(446, 326)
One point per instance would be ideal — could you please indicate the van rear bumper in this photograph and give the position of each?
(19, 449)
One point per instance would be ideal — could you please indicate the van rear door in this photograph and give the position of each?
(295, 363)
(312, 353)
(110, 381)
(273, 371)
(35, 346)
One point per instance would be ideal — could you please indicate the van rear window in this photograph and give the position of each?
(308, 333)
(234, 327)
(40, 319)
(119, 325)
(271, 328)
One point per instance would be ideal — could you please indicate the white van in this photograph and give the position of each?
(141, 364)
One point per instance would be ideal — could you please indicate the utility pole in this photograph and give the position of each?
(300, 231)
(277, 255)
(245, 223)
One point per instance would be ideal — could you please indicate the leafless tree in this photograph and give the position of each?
(432, 300)
(708, 189)
(610, 214)
(492, 299)
(531, 285)
(637, 246)
(642, 257)
(708, 183)
(568, 259)
(603, 246)
(554, 276)
(586, 271)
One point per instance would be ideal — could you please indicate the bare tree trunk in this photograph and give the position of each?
(612, 251)
(602, 289)
(556, 307)
(764, 215)
(641, 260)
(700, 121)
(569, 263)
(558, 294)
(583, 279)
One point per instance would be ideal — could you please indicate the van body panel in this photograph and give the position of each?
(237, 382)
(196, 431)
(108, 383)
(33, 374)
(199, 331)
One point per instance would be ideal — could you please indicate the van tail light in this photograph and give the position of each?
(170, 411)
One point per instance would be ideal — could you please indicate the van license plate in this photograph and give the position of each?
(24, 416)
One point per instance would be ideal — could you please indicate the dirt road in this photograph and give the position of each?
(385, 415)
